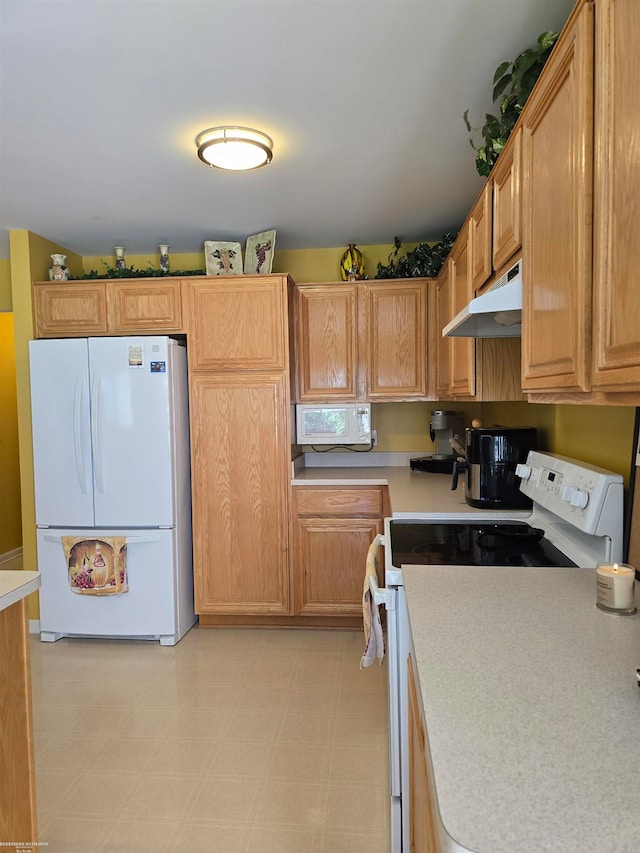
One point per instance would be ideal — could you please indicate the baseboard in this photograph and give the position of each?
(34, 626)
(9, 556)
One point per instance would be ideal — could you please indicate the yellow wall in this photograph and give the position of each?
(5, 285)
(303, 265)
(10, 517)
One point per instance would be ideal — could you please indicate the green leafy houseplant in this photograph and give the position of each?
(132, 272)
(512, 84)
(425, 260)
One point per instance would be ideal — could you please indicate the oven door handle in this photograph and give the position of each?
(380, 595)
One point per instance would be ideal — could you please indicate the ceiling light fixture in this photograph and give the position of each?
(235, 148)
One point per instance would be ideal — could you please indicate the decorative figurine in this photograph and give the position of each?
(164, 257)
(352, 264)
(120, 259)
(58, 270)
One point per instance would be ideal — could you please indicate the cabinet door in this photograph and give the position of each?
(330, 558)
(507, 202)
(617, 198)
(238, 324)
(422, 821)
(462, 373)
(327, 342)
(17, 771)
(150, 305)
(240, 473)
(557, 156)
(444, 345)
(73, 309)
(394, 331)
(480, 238)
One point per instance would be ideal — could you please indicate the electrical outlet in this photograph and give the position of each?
(374, 437)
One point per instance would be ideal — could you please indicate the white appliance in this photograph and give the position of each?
(112, 487)
(497, 313)
(576, 519)
(335, 423)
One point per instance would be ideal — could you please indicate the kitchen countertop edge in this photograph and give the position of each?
(16, 585)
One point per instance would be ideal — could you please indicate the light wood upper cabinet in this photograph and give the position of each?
(557, 155)
(72, 309)
(152, 303)
(238, 324)
(507, 202)
(393, 324)
(240, 469)
(365, 341)
(616, 340)
(443, 311)
(462, 369)
(479, 225)
(111, 307)
(327, 346)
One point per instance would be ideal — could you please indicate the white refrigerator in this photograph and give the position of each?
(112, 487)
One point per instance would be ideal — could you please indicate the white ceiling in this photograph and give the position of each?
(101, 100)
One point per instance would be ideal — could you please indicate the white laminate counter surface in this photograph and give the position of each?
(16, 585)
(413, 494)
(532, 708)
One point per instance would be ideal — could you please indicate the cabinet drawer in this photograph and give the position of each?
(338, 502)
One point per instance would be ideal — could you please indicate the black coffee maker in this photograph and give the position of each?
(490, 465)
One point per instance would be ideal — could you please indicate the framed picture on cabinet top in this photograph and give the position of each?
(258, 253)
(222, 258)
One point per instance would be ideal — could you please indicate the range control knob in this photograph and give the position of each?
(579, 499)
(567, 493)
(523, 471)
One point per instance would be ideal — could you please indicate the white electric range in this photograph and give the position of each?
(576, 520)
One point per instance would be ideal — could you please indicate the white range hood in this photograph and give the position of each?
(495, 314)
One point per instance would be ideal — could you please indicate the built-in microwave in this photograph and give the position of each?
(335, 423)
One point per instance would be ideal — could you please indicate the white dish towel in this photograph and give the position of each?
(374, 640)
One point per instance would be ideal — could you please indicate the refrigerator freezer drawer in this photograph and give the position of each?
(152, 607)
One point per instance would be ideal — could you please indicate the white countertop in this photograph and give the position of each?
(532, 708)
(413, 494)
(14, 586)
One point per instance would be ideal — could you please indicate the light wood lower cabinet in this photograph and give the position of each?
(422, 805)
(240, 473)
(17, 783)
(333, 531)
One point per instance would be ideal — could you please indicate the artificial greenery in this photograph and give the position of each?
(132, 272)
(512, 84)
(425, 260)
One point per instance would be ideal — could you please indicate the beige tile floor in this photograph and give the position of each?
(237, 741)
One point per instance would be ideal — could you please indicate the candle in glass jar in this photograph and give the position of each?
(615, 582)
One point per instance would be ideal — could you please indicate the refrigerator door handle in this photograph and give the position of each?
(95, 534)
(77, 434)
(95, 433)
